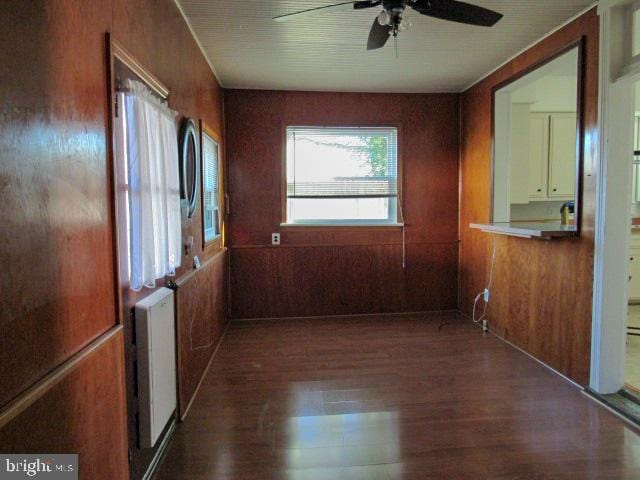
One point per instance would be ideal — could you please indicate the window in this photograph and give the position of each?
(210, 188)
(344, 175)
(148, 191)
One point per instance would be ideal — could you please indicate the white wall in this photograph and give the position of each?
(519, 154)
(536, 211)
(501, 174)
(549, 94)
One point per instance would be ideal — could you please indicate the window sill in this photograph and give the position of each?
(213, 240)
(341, 225)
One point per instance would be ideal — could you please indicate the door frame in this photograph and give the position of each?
(618, 73)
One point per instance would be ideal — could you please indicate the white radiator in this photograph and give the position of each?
(156, 345)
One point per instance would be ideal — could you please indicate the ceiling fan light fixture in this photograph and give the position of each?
(404, 25)
(390, 21)
(384, 18)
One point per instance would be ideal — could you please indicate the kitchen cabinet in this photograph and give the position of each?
(634, 267)
(634, 275)
(562, 156)
(551, 147)
(634, 245)
(538, 156)
(636, 168)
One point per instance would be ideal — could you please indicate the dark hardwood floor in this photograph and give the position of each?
(385, 398)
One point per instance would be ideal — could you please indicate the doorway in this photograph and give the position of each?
(632, 352)
(615, 360)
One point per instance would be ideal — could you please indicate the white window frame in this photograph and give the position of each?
(210, 135)
(395, 203)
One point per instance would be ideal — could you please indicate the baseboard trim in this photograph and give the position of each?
(346, 316)
(595, 397)
(183, 415)
(537, 360)
(159, 455)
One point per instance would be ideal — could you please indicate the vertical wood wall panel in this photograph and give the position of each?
(56, 241)
(342, 280)
(201, 319)
(542, 291)
(83, 413)
(157, 35)
(341, 270)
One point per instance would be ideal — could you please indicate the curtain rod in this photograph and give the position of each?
(120, 54)
(129, 90)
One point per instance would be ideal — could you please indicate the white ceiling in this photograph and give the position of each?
(328, 52)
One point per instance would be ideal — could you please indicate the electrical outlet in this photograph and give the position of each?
(275, 239)
(486, 295)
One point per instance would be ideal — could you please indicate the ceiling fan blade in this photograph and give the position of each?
(366, 4)
(455, 11)
(378, 35)
(338, 7)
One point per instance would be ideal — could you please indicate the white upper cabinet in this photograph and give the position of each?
(551, 159)
(562, 156)
(538, 156)
(636, 167)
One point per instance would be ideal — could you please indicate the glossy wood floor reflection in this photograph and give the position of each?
(386, 398)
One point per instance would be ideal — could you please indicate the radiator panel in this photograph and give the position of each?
(156, 355)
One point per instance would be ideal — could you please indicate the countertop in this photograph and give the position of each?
(536, 230)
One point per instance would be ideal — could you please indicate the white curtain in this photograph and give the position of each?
(148, 186)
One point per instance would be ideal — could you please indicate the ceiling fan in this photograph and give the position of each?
(390, 21)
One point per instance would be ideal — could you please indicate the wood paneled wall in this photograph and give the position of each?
(57, 278)
(201, 318)
(542, 291)
(80, 410)
(330, 271)
(56, 245)
(157, 35)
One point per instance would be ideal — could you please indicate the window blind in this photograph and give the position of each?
(342, 162)
(211, 207)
